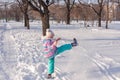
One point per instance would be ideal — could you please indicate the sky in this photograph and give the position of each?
(76, 0)
(6, 0)
(13, 0)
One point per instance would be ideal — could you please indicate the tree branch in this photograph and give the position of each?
(94, 10)
(42, 3)
(20, 5)
(52, 2)
(35, 8)
(65, 2)
(72, 4)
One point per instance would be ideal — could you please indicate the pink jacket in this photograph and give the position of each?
(49, 48)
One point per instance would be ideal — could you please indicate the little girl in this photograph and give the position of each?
(51, 49)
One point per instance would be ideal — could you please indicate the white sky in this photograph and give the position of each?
(6, 0)
(88, 1)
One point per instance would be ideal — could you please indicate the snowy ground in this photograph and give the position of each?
(96, 58)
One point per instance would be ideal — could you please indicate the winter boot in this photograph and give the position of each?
(74, 42)
(49, 76)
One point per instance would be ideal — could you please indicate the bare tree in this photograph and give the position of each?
(1, 12)
(58, 12)
(86, 13)
(107, 13)
(69, 5)
(42, 8)
(6, 11)
(5, 5)
(75, 13)
(100, 5)
(99, 11)
(116, 1)
(23, 4)
(15, 11)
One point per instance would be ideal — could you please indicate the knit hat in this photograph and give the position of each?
(49, 33)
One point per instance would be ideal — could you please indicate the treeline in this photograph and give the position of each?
(44, 10)
(11, 12)
(58, 13)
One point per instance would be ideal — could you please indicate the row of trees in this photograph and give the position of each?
(48, 8)
(10, 11)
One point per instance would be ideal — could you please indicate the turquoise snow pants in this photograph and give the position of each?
(59, 50)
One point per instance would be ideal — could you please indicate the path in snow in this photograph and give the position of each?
(22, 56)
(1, 53)
(7, 61)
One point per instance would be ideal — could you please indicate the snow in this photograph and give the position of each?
(95, 58)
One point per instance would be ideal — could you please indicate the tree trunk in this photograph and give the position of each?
(100, 16)
(99, 21)
(107, 15)
(85, 22)
(43, 11)
(45, 23)
(26, 19)
(6, 13)
(106, 24)
(68, 17)
(17, 17)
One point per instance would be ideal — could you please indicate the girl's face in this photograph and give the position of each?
(52, 36)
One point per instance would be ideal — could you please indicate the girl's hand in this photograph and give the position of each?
(58, 39)
(56, 42)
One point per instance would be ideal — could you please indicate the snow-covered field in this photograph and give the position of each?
(97, 57)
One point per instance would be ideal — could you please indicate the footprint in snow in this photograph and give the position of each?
(42, 70)
(29, 77)
(0, 43)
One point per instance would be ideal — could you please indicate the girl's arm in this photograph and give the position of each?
(56, 41)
